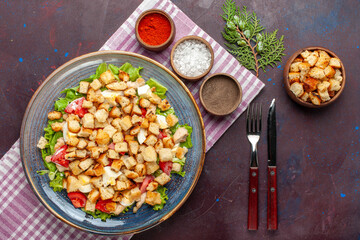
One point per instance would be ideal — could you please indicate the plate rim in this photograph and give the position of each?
(82, 57)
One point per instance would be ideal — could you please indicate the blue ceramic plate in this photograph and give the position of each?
(35, 119)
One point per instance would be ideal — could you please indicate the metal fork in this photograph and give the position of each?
(253, 131)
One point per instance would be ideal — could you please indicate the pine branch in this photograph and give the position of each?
(247, 40)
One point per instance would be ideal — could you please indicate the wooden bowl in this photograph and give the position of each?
(287, 84)
(220, 94)
(191, 37)
(155, 48)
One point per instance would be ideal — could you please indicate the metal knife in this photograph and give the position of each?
(272, 221)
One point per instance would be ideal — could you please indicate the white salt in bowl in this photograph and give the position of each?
(192, 63)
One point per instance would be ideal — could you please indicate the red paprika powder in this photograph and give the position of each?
(154, 29)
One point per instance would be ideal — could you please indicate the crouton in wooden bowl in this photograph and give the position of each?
(314, 77)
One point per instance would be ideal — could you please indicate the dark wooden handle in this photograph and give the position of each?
(253, 198)
(272, 221)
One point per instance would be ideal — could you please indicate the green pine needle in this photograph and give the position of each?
(248, 41)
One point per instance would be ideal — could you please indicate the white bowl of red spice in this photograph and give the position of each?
(155, 30)
(192, 58)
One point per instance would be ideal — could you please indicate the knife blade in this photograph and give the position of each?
(272, 222)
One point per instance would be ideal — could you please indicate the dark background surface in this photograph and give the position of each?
(318, 150)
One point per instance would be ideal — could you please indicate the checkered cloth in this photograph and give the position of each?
(22, 216)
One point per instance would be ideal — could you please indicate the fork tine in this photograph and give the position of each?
(248, 119)
(253, 117)
(260, 117)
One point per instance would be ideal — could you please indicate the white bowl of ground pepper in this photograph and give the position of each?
(192, 58)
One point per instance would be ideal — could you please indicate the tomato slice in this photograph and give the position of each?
(143, 112)
(78, 199)
(76, 107)
(162, 135)
(166, 167)
(101, 205)
(148, 179)
(59, 157)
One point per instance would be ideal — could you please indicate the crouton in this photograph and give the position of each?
(162, 179)
(87, 104)
(305, 54)
(115, 112)
(96, 84)
(125, 123)
(84, 132)
(90, 206)
(93, 135)
(323, 86)
(144, 103)
(304, 70)
(140, 169)
(150, 115)
(130, 92)
(72, 141)
(324, 95)
(335, 63)
(42, 143)
(129, 162)
(145, 123)
(158, 145)
(149, 154)
(90, 171)
(313, 58)
(106, 193)
(164, 105)
(314, 98)
(101, 115)
(338, 76)
(107, 77)
(121, 185)
(168, 142)
(317, 73)
(128, 108)
(123, 101)
(165, 155)
(110, 130)
(152, 186)
(59, 143)
(72, 184)
(98, 170)
(298, 59)
(176, 167)
(91, 95)
(83, 87)
(154, 128)
(171, 120)
(155, 99)
(117, 164)
(297, 89)
(116, 123)
(102, 137)
(54, 115)
(128, 138)
(310, 84)
(124, 76)
(150, 140)
(153, 198)
(88, 121)
(121, 147)
(70, 155)
(133, 147)
(180, 135)
(323, 60)
(294, 67)
(56, 126)
(329, 72)
(294, 75)
(80, 153)
(94, 195)
(112, 154)
(74, 126)
(180, 152)
(334, 85)
(305, 96)
(117, 86)
(103, 159)
(151, 167)
(135, 193)
(130, 174)
(74, 167)
(118, 137)
(95, 152)
(85, 164)
(139, 158)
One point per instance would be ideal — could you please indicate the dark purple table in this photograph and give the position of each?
(318, 150)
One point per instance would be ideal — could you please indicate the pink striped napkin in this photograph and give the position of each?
(22, 216)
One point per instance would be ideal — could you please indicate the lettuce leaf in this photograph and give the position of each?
(99, 214)
(115, 70)
(162, 190)
(188, 142)
(160, 89)
(165, 113)
(182, 163)
(57, 182)
(134, 73)
(100, 69)
(70, 95)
